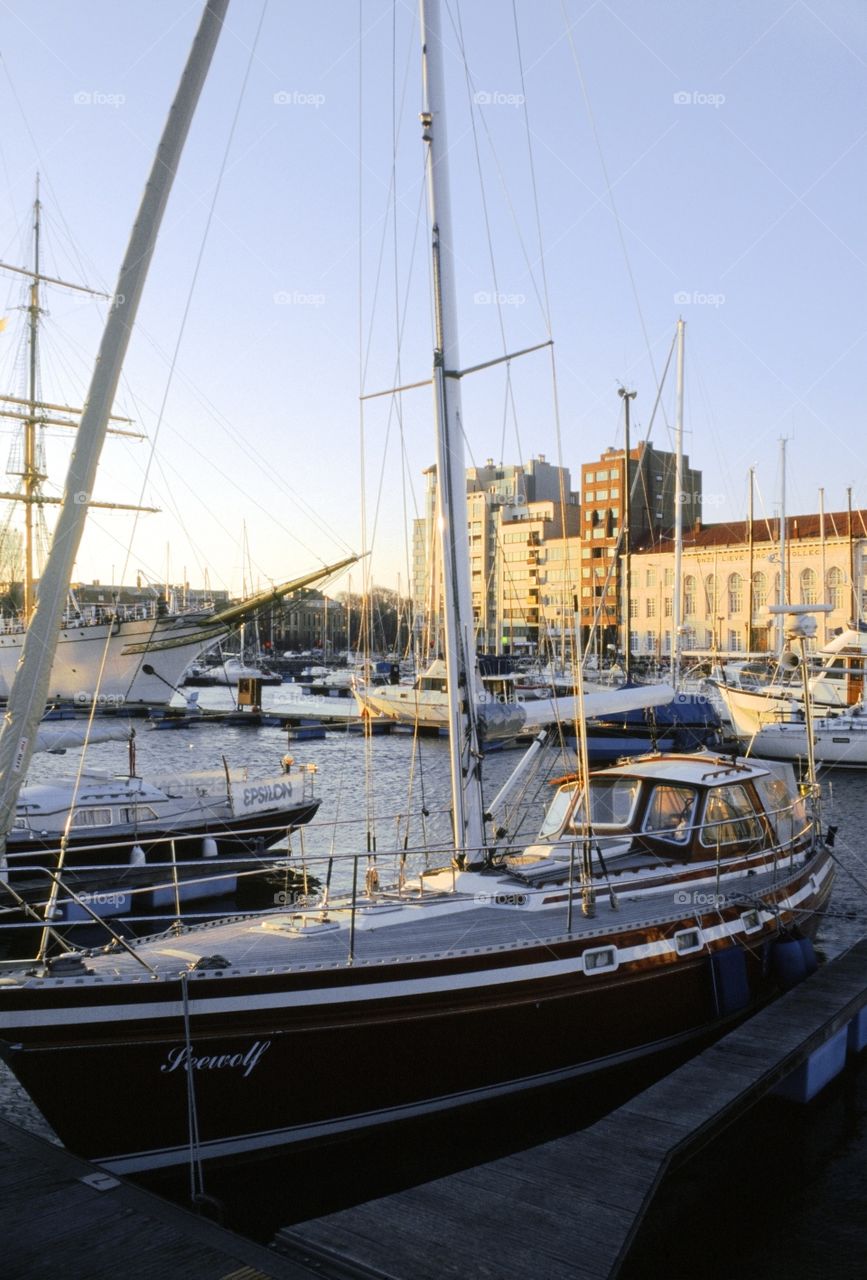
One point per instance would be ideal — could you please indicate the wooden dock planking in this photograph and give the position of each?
(56, 1222)
(572, 1207)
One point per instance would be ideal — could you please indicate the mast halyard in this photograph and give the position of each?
(459, 630)
(626, 531)
(676, 610)
(32, 480)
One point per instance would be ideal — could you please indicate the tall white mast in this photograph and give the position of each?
(678, 511)
(459, 637)
(29, 690)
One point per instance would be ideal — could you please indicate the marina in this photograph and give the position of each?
(530, 923)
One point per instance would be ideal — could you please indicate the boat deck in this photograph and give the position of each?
(411, 928)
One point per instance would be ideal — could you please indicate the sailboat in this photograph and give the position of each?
(834, 686)
(646, 916)
(130, 656)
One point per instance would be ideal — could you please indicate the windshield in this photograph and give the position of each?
(612, 803)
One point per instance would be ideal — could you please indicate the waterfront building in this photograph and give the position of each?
(729, 579)
(651, 518)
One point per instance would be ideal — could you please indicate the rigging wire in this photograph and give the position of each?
(197, 268)
(610, 192)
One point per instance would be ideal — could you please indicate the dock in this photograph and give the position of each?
(294, 713)
(573, 1207)
(65, 1217)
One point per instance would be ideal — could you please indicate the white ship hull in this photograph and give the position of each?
(145, 660)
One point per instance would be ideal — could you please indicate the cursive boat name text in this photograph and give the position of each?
(184, 1057)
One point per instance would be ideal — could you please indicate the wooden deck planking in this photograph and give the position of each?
(571, 1207)
(54, 1223)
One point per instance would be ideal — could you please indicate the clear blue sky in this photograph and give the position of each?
(734, 138)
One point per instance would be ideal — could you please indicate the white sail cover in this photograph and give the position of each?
(509, 719)
(64, 737)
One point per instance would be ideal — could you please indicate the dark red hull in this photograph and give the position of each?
(287, 1057)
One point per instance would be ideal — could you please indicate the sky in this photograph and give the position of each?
(613, 166)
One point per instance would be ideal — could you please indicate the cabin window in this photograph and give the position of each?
(729, 817)
(784, 807)
(670, 812)
(91, 818)
(688, 940)
(600, 960)
(138, 813)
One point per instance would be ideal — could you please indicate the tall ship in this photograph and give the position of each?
(124, 656)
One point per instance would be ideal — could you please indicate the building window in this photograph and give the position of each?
(710, 596)
(650, 577)
(669, 577)
(736, 593)
(835, 588)
(689, 595)
(650, 607)
(634, 644)
(666, 607)
(760, 590)
(809, 586)
(633, 608)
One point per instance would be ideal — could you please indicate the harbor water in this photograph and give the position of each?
(794, 1179)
